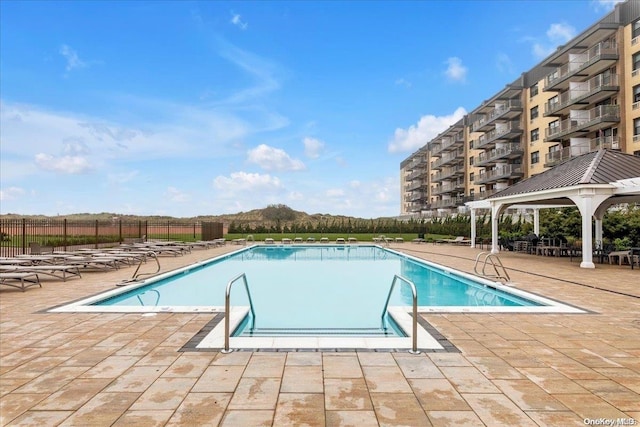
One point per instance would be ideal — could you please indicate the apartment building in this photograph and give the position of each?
(583, 97)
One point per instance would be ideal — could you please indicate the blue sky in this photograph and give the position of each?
(204, 108)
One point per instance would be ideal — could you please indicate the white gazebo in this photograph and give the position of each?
(593, 182)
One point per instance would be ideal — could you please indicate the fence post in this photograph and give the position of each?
(120, 230)
(24, 236)
(64, 234)
(96, 243)
(168, 230)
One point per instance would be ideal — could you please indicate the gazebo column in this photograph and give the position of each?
(588, 202)
(473, 227)
(495, 217)
(599, 229)
(536, 221)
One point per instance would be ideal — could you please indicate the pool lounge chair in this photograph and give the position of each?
(297, 240)
(340, 241)
(20, 280)
(459, 240)
(63, 272)
(269, 241)
(286, 241)
(352, 240)
(324, 240)
(311, 239)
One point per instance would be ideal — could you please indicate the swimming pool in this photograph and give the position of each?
(315, 291)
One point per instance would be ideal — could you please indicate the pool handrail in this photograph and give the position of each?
(414, 294)
(227, 297)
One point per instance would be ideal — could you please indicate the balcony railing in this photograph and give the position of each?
(484, 194)
(599, 83)
(580, 62)
(446, 143)
(447, 158)
(498, 153)
(602, 113)
(448, 173)
(555, 157)
(415, 185)
(448, 187)
(499, 111)
(447, 203)
(510, 129)
(498, 173)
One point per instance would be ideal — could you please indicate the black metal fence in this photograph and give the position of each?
(64, 235)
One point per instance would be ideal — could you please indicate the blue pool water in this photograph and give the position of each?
(316, 286)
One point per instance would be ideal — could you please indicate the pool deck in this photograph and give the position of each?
(88, 369)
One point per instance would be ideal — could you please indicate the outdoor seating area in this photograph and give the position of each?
(459, 240)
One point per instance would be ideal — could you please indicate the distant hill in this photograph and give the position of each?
(253, 217)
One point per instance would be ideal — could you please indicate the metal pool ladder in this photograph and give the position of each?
(414, 348)
(135, 276)
(227, 296)
(495, 262)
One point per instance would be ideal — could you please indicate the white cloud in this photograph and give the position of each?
(73, 60)
(175, 195)
(273, 159)
(64, 164)
(427, 128)
(334, 193)
(557, 35)
(605, 5)
(244, 183)
(313, 147)
(236, 20)
(455, 70)
(122, 178)
(296, 195)
(504, 64)
(11, 193)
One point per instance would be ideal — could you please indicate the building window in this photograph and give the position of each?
(471, 161)
(636, 93)
(471, 145)
(535, 157)
(635, 30)
(533, 90)
(636, 62)
(471, 176)
(636, 127)
(533, 113)
(535, 135)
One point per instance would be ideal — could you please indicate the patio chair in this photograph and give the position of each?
(20, 280)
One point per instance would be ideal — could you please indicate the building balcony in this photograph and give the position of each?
(415, 174)
(590, 92)
(591, 61)
(505, 133)
(448, 187)
(509, 151)
(448, 173)
(505, 111)
(560, 156)
(448, 144)
(415, 185)
(448, 159)
(591, 121)
(416, 196)
(448, 203)
(484, 194)
(499, 173)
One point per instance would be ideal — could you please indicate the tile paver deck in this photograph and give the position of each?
(511, 369)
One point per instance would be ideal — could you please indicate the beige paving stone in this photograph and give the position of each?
(256, 393)
(417, 366)
(497, 410)
(556, 418)
(51, 381)
(159, 356)
(399, 409)
(90, 357)
(222, 378)
(201, 409)
(265, 365)
(589, 406)
(468, 380)
(346, 394)
(302, 379)
(471, 347)
(144, 418)
(438, 395)
(189, 365)
(385, 379)
(304, 358)
(34, 367)
(111, 367)
(351, 419)
(368, 358)
(74, 394)
(40, 418)
(164, 393)
(300, 409)
(448, 359)
(235, 358)
(454, 419)
(528, 396)
(494, 367)
(552, 381)
(135, 379)
(254, 418)
(13, 405)
(614, 393)
(102, 410)
(341, 366)
(7, 385)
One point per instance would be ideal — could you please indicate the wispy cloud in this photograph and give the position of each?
(72, 165)
(174, 195)
(605, 5)
(403, 82)
(72, 58)
(273, 159)
(455, 71)
(557, 35)
(504, 64)
(11, 193)
(313, 147)
(427, 128)
(236, 20)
